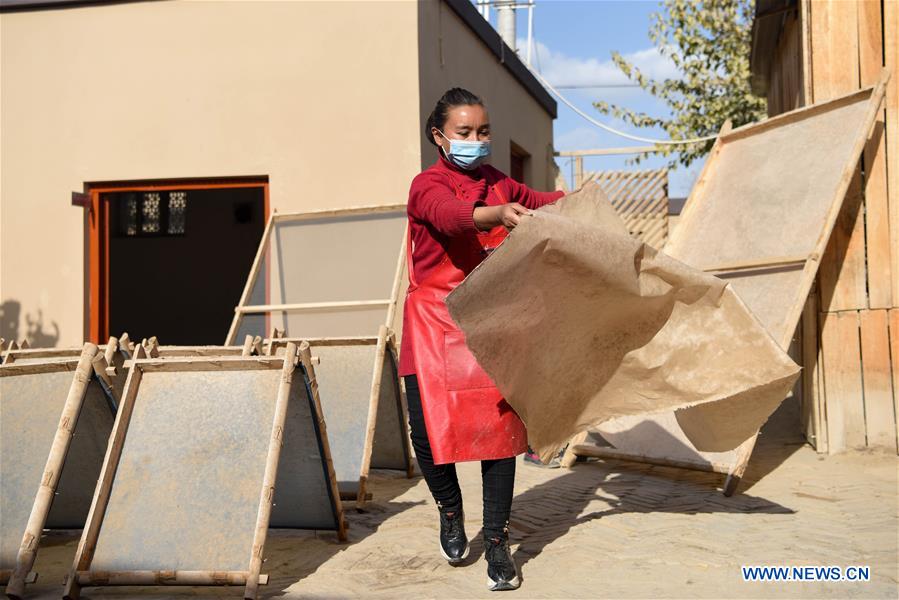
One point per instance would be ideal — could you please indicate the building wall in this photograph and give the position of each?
(850, 328)
(321, 97)
(451, 55)
(786, 91)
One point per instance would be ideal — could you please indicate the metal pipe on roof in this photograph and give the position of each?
(505, 21)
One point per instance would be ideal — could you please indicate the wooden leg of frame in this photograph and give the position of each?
(91, 532)
(373, 401)
(271, 471)
(52, 471)
(306, 359)
(125, 343)
(569, 457)
(404, 408)
(247, 345)
(72, 590)
(744, 451)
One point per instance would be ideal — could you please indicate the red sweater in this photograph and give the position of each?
(436, 214)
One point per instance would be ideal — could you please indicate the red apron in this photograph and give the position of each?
(465, 415)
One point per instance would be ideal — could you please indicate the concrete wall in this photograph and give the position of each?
(322, 97)
(452, 55)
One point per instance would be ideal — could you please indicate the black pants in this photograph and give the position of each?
(498, 476)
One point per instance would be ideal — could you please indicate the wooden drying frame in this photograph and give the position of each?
(82, 368)
(12, 347)
(384, 342)
(809, 264)
(10, 356)
(252, 346)
(243, 308)
(251, 578)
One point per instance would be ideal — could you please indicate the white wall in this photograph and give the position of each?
(320, 96)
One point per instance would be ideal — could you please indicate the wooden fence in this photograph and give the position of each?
(641, 198)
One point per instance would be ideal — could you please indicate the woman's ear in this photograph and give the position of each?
(438, 139)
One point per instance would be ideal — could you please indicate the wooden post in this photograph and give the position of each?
(570, 457)
(612, 453)
(125, 343)
(738, 469)
(305, 354)
(251, 280)
(148, 578)
(52, 471)
(251, 345)
(271, 471)
(103, 365)
(404, 408)
(88, 543)
(397, 280)
(842, 271)
(578, 171)
(310, 306)
(373, 401)
(812, 399)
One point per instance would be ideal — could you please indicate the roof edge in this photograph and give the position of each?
(28, 5)
(466, 11)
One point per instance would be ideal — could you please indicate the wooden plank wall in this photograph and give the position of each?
(850, 392)
(785, 89)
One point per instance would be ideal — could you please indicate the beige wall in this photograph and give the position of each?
(453, 56)
(321, 97)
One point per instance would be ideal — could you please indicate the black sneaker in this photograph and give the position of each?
(532, 458)
(453, 541)
(502, 573)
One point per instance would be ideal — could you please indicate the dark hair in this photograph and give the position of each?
(450, 99)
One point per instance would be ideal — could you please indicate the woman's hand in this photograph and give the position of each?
(507, 215)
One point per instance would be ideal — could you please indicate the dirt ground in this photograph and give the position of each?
(604, 529)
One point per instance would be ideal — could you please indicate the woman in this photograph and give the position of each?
(459, 210)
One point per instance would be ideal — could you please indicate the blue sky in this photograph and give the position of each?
(574, 43)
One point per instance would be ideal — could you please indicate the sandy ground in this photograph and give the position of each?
(604, 529)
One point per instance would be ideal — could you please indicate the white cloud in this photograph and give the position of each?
(560, 69)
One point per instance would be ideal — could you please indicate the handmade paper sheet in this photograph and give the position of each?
(578, 323)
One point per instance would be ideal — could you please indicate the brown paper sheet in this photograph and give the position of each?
(578, 323)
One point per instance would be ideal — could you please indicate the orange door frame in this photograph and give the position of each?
(98, 235)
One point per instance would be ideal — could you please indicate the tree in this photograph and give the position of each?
(708, 41)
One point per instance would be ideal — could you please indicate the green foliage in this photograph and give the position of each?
(709, 42)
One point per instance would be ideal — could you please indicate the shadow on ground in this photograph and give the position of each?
(294, 555)
(549, 510)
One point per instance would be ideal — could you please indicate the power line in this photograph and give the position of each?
(590, 119)
(596, 86)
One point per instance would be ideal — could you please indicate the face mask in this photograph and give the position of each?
(464, 154)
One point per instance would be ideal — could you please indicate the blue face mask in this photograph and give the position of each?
(465, 154)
